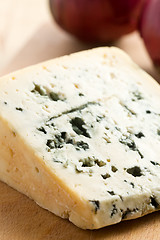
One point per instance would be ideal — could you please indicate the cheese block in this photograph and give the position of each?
(80, 135)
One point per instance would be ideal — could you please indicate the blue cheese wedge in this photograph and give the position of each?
(80, 135)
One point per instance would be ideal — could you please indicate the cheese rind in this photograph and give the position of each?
(80, 135)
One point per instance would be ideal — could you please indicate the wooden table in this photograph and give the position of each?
(28, 35)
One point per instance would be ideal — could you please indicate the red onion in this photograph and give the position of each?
(150, 29)
(97, 20)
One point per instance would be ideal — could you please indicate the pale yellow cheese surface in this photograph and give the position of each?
(102, 88)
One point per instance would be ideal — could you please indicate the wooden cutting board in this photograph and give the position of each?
(20, 217)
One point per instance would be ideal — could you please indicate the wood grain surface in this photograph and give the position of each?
(28, 35)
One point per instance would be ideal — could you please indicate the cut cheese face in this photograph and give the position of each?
(80, 135)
